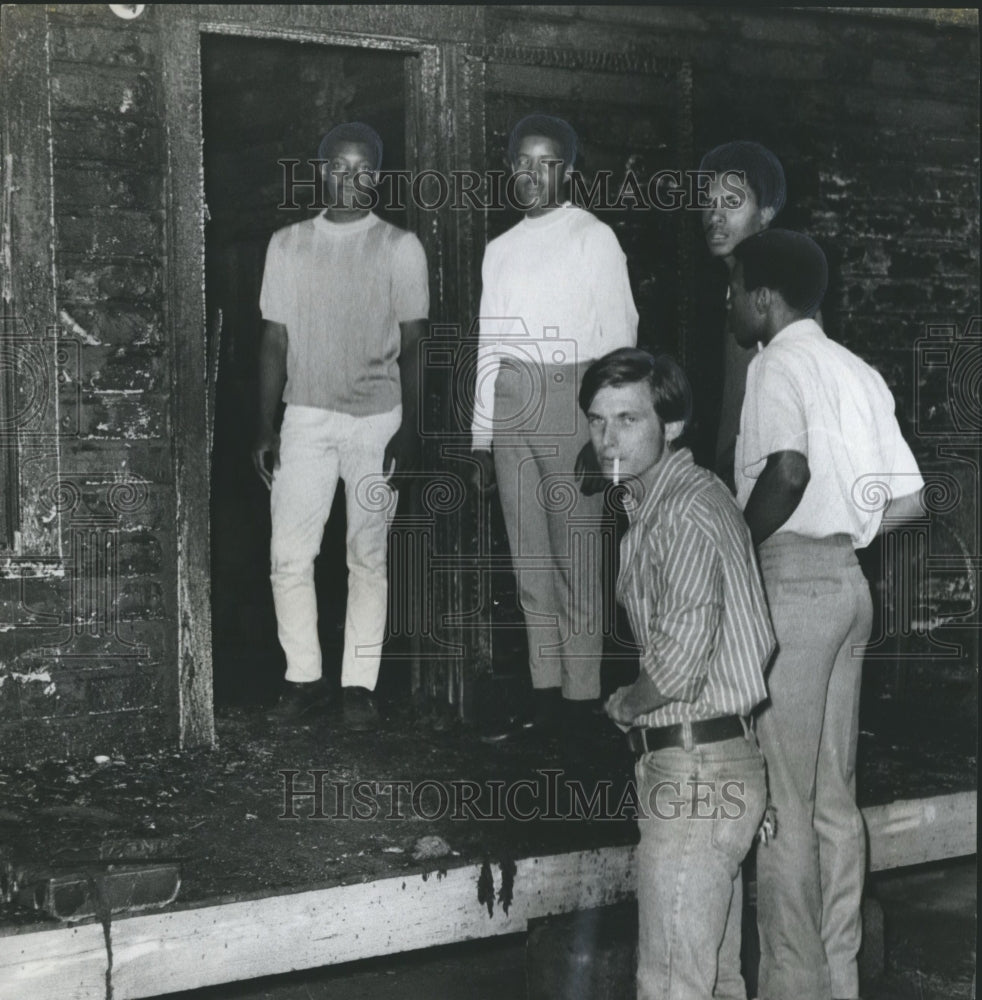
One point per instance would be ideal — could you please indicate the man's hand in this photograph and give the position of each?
(639, 698)
(483, 478)
(272, 379)
(618, 707)
(267, 444)
(402, 451)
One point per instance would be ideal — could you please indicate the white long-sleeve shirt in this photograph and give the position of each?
(555, 291)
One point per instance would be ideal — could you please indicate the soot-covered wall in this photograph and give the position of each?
(874, 117)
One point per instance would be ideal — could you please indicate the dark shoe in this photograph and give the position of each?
(542, 719)
(547, 715)
(360, 714)
(505, 729)
(298, 701)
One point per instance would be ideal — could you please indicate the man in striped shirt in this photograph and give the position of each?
(690, 585)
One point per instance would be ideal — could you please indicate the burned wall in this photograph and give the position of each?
(874, 117)
(85, 647)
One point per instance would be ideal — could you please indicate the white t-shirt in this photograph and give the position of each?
(808, 394)
(555, 291)
(342, 289)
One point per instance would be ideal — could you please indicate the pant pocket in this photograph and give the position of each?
(739, 807)
(808, 589)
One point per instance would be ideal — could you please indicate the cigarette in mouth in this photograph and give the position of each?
(617, 471)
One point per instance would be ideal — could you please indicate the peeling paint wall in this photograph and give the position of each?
(86, 654)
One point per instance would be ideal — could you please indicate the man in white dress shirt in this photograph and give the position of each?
(555, 296)
(817, 426)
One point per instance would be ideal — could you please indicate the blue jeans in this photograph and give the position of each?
(701, 809)
(810, 876)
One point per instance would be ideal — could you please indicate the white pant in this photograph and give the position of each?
(316, 448)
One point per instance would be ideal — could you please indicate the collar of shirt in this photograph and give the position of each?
(796, 329)
(549, 218)
(325, 226)
(655, 481)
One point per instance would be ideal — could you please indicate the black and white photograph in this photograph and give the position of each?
(489, 502)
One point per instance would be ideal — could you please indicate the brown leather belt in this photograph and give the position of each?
(726, 727)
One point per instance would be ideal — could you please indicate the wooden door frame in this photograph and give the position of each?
(183, 28)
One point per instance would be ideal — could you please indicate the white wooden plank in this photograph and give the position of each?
(59, 964)
(176, 951)
(184, 949)
(915, 831)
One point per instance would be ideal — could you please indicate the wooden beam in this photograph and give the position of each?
(185, 949)
(65, 962)
(191, 689)
(916, 831)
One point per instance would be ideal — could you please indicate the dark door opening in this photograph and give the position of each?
(264, 101)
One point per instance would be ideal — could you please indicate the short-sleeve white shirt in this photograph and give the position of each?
(808, 394)
(341, 290)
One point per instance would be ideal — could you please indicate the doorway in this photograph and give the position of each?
(263, 101)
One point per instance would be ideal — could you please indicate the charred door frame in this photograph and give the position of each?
(445, 130)
(429, 143)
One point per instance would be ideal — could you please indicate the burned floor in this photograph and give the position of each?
(142, 180)
(417, 799)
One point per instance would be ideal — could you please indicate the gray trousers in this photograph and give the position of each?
(810, 876)
(553, 530)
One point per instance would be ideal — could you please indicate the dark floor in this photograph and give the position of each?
(930, 931)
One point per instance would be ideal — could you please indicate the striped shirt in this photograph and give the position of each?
(692, 591)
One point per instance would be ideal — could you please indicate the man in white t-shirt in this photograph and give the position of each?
(344, 299)
(817, 431)
(555, 297)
